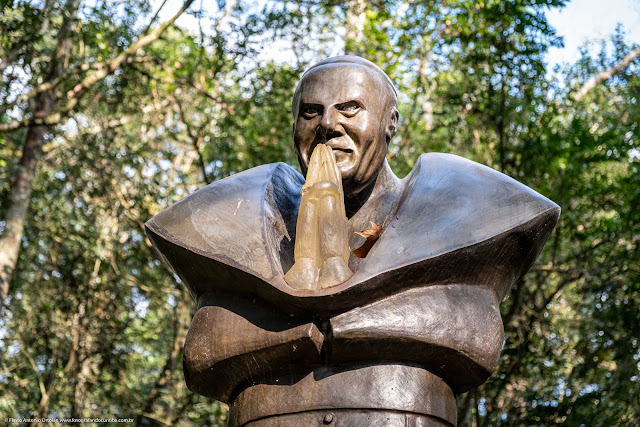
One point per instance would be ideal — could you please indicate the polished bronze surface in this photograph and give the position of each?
(421, 310)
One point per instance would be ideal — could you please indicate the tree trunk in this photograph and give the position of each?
(21, 185)
(181, 321)
(46, 391)
(356, 16)
(46, 105)
(19, 204)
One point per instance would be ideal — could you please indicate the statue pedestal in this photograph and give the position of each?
(378, 395)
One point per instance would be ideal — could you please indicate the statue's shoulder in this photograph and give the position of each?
(488, 192)
(454, 209)
(233, 221)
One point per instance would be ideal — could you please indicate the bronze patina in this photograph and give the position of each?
(417, 322)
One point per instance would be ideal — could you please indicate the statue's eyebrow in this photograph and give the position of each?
(355, 101)
(311, 104)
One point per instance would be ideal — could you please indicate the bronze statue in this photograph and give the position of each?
(418, 321)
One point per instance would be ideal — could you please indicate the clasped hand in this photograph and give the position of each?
(322, 245)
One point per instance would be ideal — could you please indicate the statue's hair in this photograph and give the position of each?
(347, 60)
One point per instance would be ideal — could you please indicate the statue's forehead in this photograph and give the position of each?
(334, 82)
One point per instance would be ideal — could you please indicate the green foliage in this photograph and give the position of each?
(94, 325)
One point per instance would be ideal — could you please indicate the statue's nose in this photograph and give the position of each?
(330, 121)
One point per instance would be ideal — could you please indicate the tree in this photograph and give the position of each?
(94, 324)
(50, 107)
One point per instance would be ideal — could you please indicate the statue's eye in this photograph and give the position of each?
(349, 109)
(310, 112)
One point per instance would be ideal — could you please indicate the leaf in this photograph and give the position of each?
(371, 235)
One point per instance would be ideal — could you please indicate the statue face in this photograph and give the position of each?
(350, 110)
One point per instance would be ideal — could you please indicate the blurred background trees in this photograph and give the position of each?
(109, 113)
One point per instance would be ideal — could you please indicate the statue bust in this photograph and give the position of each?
(402, 329)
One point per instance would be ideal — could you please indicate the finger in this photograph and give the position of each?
(332, 228)
(326, 163)
(331, 167)
(314, 166)
(335, 172)
(317, 162)
(336, 177)
(306, 231)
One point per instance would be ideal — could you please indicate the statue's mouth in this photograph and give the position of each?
(342, 154)
(339, 146)
(343, 150)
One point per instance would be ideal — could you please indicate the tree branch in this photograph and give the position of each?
(606, 74)
(231, 5)
(107, 68)
(195, 140)
(116, 62)
(52, 84)
(155, 16)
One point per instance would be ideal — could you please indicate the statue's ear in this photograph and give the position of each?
(392, 125)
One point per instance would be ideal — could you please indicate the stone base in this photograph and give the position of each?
(379, 395)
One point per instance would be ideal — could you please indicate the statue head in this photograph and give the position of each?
(349, 104)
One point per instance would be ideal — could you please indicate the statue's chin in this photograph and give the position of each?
(355, 180)
(344, 160)
(346, 167)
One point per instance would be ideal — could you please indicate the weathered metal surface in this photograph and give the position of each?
(233, 342)
(350, 418)
(390, 388)
(348, 104)
(454, 331)
(449, 210)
